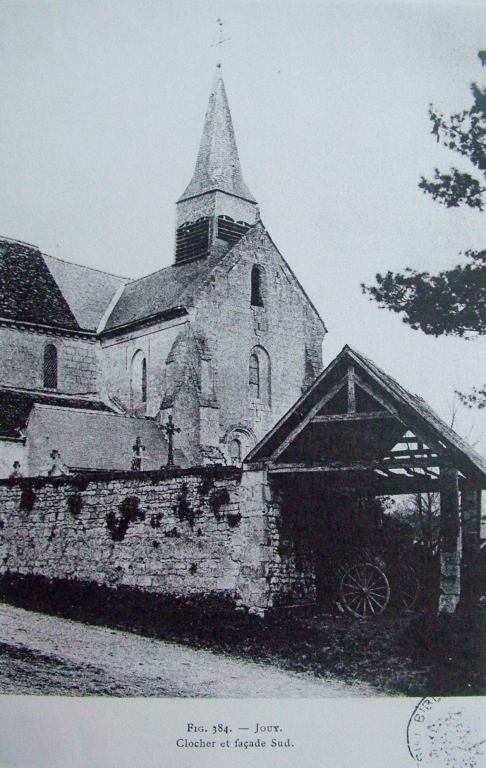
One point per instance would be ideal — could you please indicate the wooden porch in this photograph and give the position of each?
(357, 428)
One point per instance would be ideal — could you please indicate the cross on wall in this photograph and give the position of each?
(170, 430)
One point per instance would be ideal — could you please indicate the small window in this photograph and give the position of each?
(259, 376)
(139, 388)
(50, 367)
(254, 376)
(256, 287)
(144, 380)
(235, 451)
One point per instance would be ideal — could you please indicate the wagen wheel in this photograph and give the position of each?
(406, 587)
(364, 590)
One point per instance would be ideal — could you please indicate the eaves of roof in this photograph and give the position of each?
(413, 410)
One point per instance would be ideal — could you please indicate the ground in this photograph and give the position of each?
(411, 653)
(46, 655)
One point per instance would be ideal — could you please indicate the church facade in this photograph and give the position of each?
(224, 340)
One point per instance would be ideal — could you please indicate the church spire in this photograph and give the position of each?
(217, 207)
(218, 165)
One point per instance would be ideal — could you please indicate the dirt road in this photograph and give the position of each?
(45, 654)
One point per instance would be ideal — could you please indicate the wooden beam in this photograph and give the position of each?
(412, 461)
(351, 390)
(337, 417)
(307, 419)
(388, 406)
(450, 541)
(358, 466)
(338, 467)
(411, 454)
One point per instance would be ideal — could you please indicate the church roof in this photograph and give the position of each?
(174, 288)
(104, 441)
(87, 291)
(218, 165)
(28, 291)
(16, 407)
(167, 289)
(40, 289)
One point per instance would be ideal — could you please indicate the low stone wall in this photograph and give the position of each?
(182, 532)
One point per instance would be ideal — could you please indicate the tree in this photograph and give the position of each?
(452, 302)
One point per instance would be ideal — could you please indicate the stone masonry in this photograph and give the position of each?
(21, 360)
(179, 532)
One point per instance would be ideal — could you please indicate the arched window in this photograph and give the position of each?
(235, 451)
(254, 377)
(144, 380)
(139, 380)
(240, 440)
(256, 286)
(50, 367)
(259, 375)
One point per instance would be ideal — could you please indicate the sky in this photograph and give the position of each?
(102, 110)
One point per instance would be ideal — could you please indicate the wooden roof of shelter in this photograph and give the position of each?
(355, 419)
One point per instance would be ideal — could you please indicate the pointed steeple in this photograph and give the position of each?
(217, 207)
(218, 165)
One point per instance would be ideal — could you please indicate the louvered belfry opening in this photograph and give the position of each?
(216, 209)
(193, 239)
(231, 231)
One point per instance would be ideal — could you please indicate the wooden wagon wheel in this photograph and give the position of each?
(364, 590)
(406, 586)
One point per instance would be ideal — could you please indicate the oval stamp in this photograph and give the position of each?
(448, 733)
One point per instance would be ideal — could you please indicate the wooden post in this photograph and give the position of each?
(471, 514)
(351, 390)
(450, 542)
(471, 579)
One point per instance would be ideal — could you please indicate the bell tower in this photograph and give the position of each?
(217, 207)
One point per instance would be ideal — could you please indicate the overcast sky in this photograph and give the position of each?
(102, 107)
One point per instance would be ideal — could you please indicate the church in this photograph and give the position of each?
(214, 365)
(93, 365)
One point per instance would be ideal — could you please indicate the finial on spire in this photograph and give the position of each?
(220, 41)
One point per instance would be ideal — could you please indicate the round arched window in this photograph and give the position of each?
(139, 380)
(235, 451)
(50, 367)
(259, 376)
(254, 378)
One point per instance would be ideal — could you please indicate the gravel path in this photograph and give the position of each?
(143, 666)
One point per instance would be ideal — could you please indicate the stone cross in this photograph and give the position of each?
(170, 429)
(17, 472)
(58, 466)
(138, 451)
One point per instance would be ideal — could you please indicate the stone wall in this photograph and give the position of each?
(286, 330)
(22, 361)
(117, 354)
(198, 366)
(180, 532)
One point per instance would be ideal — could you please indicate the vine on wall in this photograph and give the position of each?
(130, 512)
